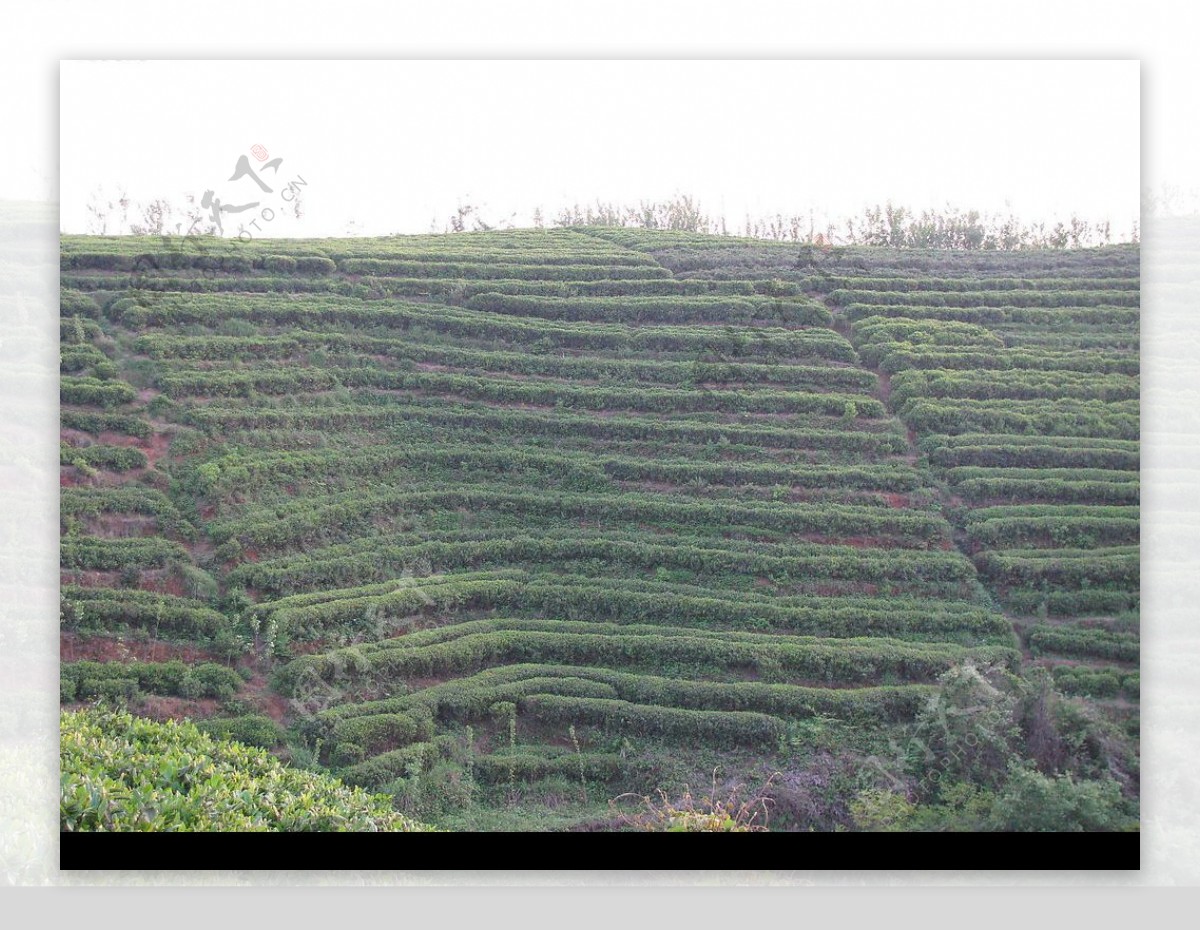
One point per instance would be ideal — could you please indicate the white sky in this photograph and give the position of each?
(394, 145)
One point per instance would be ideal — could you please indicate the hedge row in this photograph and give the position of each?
(88, 421)
(1123, 340)
(307, 621)
(1050, 490)
(83, 680)
(1066, 418)
(129, 499)
(112, 609)
(248, 729)
(1073, 568)
(501, 768)
(227, 451)
(1001, 452)
(974, 472)
(1033, 442)
(94, 553)
(247, 382)
(464, 699)
(574, 597)
(1090, 601)
(1106, 297)
(241, 473)
(75, 303)
(1067, 532)
(716, 728)
(79, 357)
(479, 644)
(77, 330)
(655, 309)
(480, 270)
(901, 356)
(582, 598)
(95, 392)
(201, 259)
(362, 511)
(972, 283)
(1051, 320)
(984, 514)
(374, 560)
(1017, 385)
(822, 377)
(219, 419)
(166, 346)
(651, 287)
(545, 257)
(1097, 682)
(104, 457)
(1082, 641)
(882, 333)
(148, 282)
(390, 359)
(398, 763)
(773, 341)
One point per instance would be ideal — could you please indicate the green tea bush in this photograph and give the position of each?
(95, 392)
(104, 457)
(76, 303)
(250, 730)
(720, 728)
(314, 264)
(121, 773)
(1081, 641)
(107, 609)
(279, 264)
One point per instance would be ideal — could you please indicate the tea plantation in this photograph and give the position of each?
(520, 528)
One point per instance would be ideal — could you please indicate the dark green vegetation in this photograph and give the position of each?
(123, 773)
(509, 524)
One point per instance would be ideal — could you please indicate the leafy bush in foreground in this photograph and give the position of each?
(123, 773)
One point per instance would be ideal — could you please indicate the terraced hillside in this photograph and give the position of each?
(1017, 376)
(507, 524)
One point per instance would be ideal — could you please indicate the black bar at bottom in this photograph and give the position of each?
(834, 851)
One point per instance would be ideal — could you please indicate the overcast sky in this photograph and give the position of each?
(395, 146)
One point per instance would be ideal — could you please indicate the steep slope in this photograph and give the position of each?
(518, 521)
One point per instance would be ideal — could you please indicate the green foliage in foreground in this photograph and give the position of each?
(1030, 802)
(123, 773)
(992, 752)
